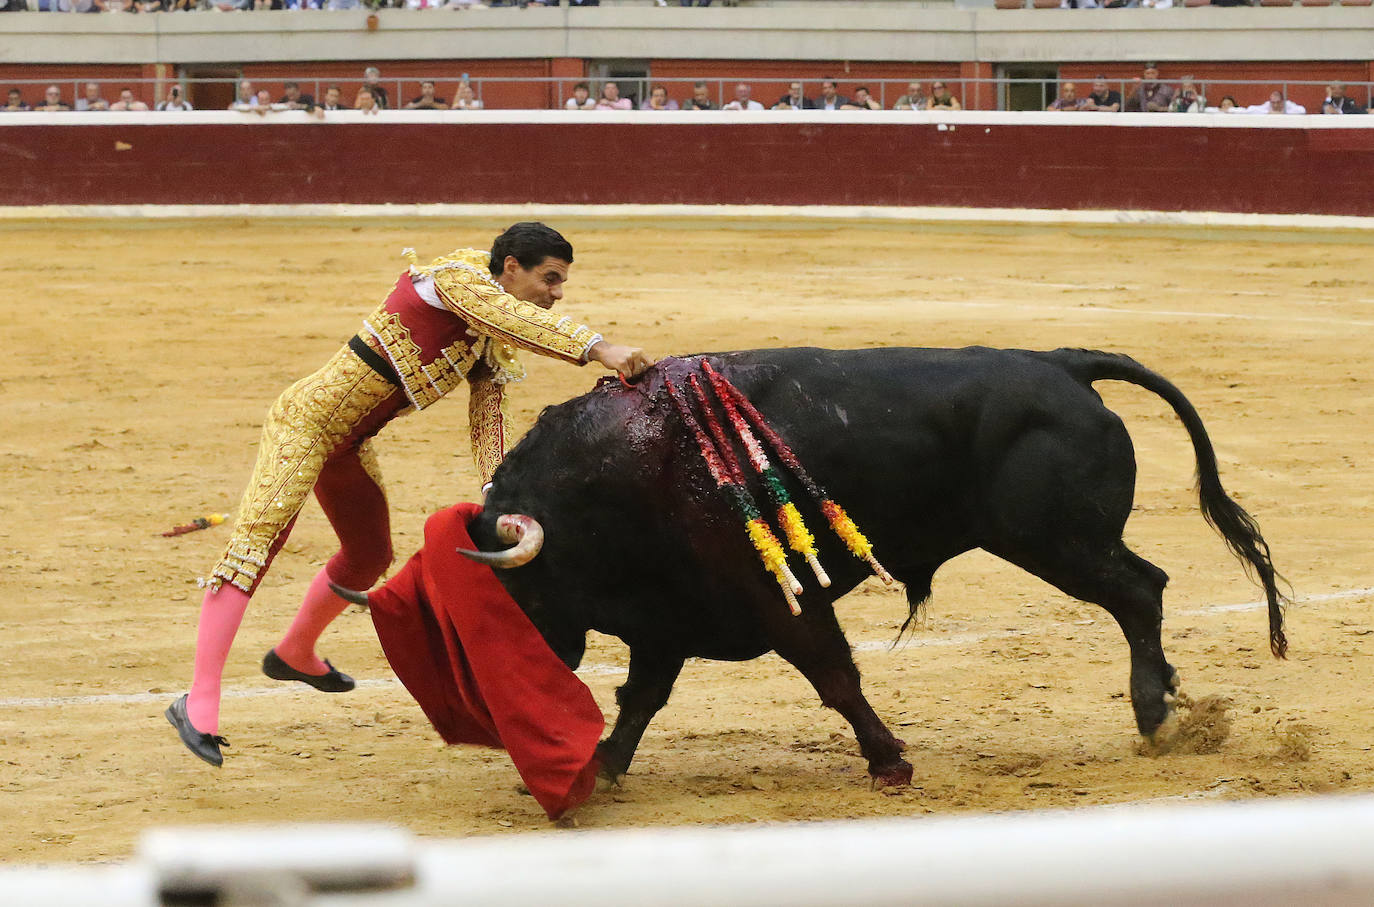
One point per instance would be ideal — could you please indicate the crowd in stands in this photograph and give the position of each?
(1145, 94)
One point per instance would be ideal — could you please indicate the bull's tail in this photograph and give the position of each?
(1229, 519)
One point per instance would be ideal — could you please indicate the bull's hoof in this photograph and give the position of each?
(896, 775)
(605, 782)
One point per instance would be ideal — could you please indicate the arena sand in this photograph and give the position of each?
(143, 355)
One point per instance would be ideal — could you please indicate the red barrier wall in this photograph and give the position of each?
(973, 164)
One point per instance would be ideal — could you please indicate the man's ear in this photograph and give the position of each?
(509, 266)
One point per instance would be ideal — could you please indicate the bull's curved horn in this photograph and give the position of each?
(524, 531)
(350, 595)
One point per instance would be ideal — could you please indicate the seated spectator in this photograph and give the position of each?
(174, 100)
(1336, 101)
(127, 101)
(1228, 105)
(659, 100)
(1150, 95)
(941, 98)
(92, 100)
(862, 100)
(1068, 98)
(245, 98)
(700, 99)
(292, 99)
(366, 101)
(265, 105)
(76, 6)
(1276, 104)
(52, 101)
(331, 99)
(742, 101)
(228, 6)
(611, 100)
(1102, 98)
(466, 98)
(151, 6)
(16, 101)
(427, 100)
(372, 78)
(830, 99)
(581, 98)
(914, 99)
(1190, 98)
(795, 99)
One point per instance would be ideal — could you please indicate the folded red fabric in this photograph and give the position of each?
(480, 670)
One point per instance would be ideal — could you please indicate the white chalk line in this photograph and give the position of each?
(600, 670)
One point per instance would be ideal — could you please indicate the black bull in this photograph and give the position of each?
(933, 453)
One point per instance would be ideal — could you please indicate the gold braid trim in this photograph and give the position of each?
(466, 286)
(306, 424)
(487, 422)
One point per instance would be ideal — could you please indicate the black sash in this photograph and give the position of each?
(374, 361)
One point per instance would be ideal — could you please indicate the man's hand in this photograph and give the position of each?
(629, 361)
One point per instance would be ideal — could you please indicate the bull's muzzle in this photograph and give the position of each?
(526, 534)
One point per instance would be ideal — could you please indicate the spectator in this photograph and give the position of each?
(1337, 102)
(466, 99)
(244, 97)
(174, 100)
(151, 6)
(742, 100)
(611, 99)
(700, 99)
(372, 79)
(1276, 104)
(52, 101)
(795, 99)
(331, 98)
(830, 99)
(1190, 98)
(347, 4)
(940, 97)
(127, 101)
(427, 100)
(264, 105)
(659, 100)
(1068, 99)
(366, 101)
(914, 99)
(1102, 98)
(227, 6)
(1228, 105)
(292, 99)
(862, 100)
(1150, 95)
(76, 6)
(581, 98)
(16, 101)
(92, 99)
(700, 3)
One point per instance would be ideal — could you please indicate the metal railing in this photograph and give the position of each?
(979, 94)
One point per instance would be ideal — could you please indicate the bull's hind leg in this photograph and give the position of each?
(815, 645)
(646, 689)
(1132, 590)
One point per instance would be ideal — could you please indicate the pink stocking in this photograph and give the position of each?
(318, 610)
(221, 612)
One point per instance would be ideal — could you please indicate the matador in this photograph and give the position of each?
(461, 317)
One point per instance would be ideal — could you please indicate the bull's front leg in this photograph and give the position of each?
(816, 646)
(646, 689)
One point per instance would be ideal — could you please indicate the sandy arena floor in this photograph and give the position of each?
(143, 357)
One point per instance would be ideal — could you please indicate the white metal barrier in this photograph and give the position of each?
(1311, 851)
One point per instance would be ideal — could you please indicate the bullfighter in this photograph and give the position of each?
(461, 317)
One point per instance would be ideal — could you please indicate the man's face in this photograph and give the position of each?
(660, 95)
(611, 91)
(126, 96)
(795, 89)
(1069, 91)
(331, 96)
(427, 89)
(581, 95)
(370, 77)
(861, 95)
(92, 91)
(913, 89)
(1151, 74)
(1099, 86)
(1275, 99)
(1335, 92)
(699, 94)
(52, 95)
(364, 100)
(541, 284)
(15, 97)
(293, 92)
(245, 91)
(742, 93)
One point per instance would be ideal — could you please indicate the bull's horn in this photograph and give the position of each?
(350, 595)
(524, 531)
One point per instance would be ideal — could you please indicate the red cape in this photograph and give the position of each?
(480, 670)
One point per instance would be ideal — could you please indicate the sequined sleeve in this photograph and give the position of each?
(509, 320)
(487, 422)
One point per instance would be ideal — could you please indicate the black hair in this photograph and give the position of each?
(530, 242)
